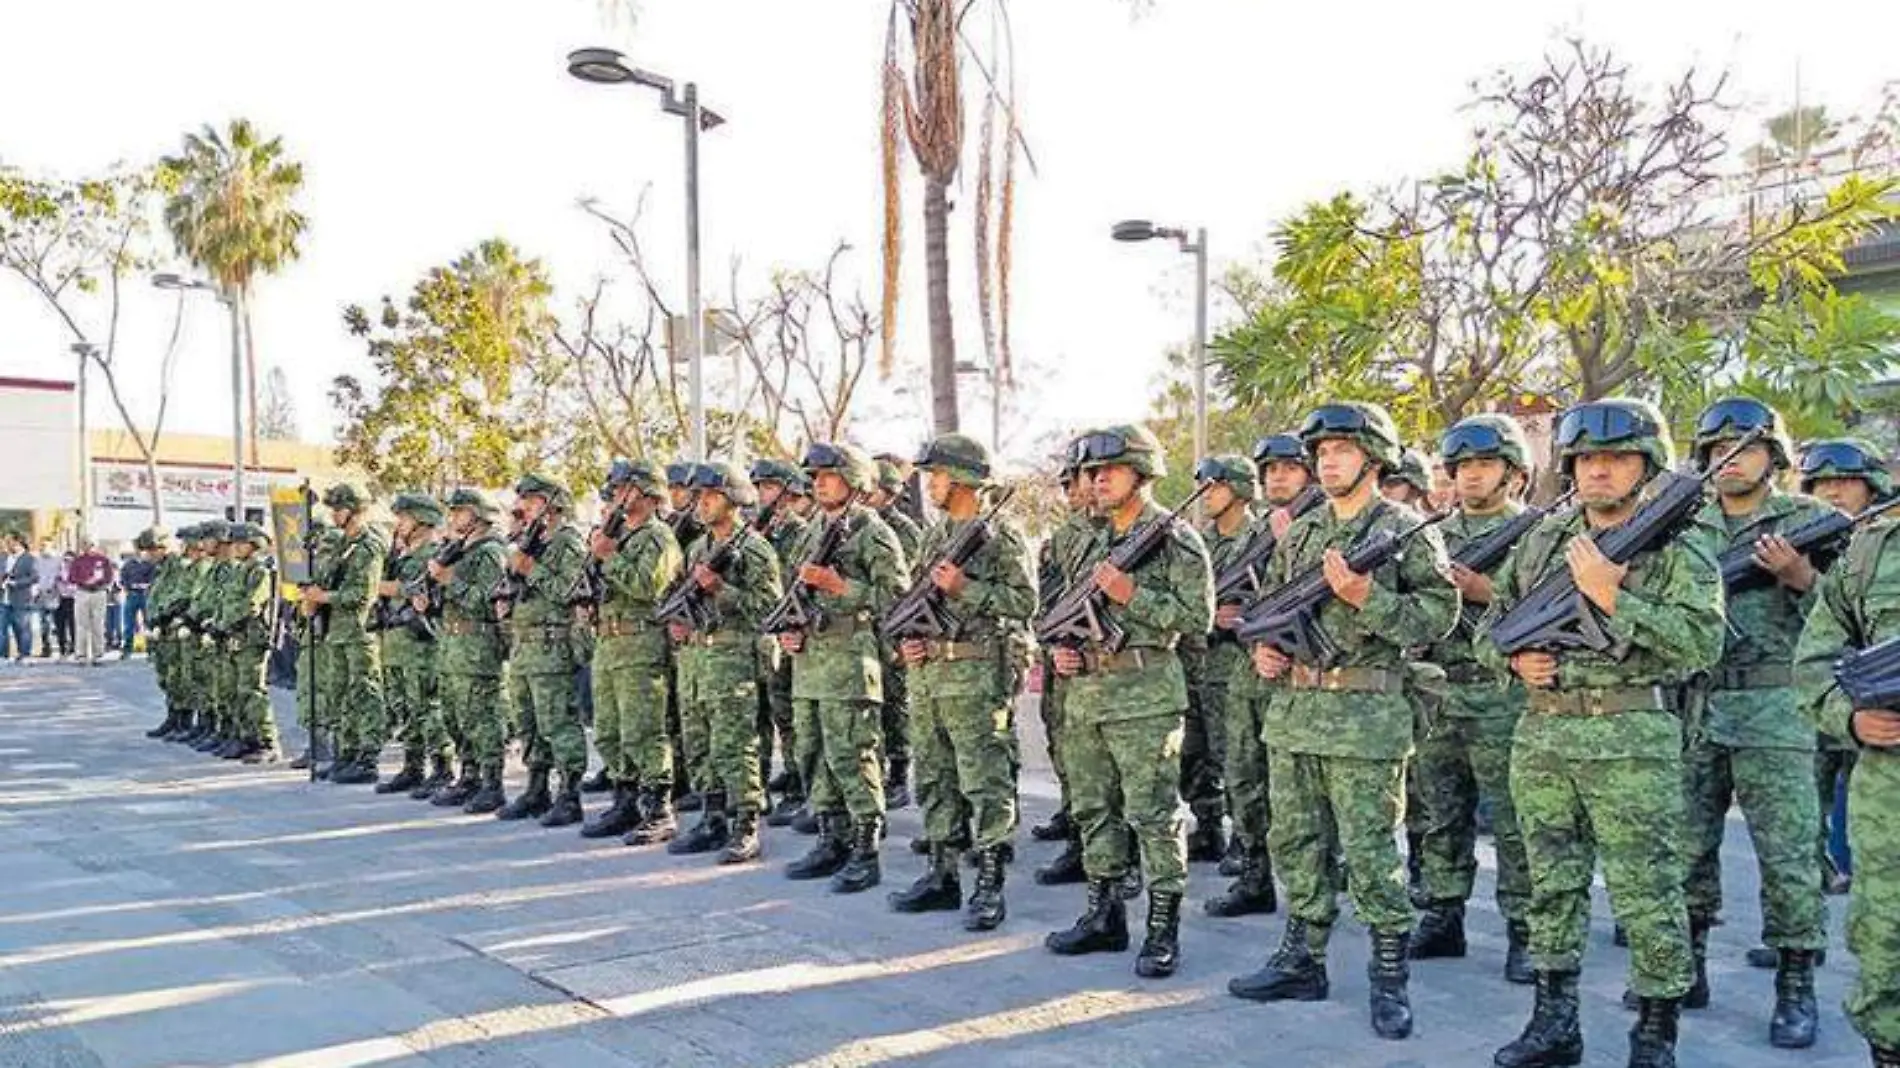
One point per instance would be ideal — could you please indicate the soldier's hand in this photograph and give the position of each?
(1117, 585)
(1278, 520)
(792, 642)
(306, 607)
(1067, 661)
(315, 595)
(1536, 668)
(1597, 577)
(1876, 727)
(708, 579)
(1775, 555)
(913, 651)
(388, 589)
(822, 579)
(1227, 617)
(420, 602)
(522, 563)
(949, 578)
(1270, 663)
(678, 632)
(1473, 586)
(438, 573)
(1348, 585)
(600, 545)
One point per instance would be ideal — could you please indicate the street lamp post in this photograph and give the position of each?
(84, 350)
(1196, 246)
(178, 282)
(604, 66)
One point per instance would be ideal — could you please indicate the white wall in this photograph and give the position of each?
(39, 447)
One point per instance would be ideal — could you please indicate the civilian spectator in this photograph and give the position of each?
(90, 575)
(50, 571)
(136, 577)
(17, 583)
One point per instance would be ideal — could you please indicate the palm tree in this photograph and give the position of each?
(233, 217)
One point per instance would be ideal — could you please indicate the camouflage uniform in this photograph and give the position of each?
(785, 534)
(896, 705)
(315, 717)
(409, 680)
(542, 660)
(213, 678)
(240, 615)
(161, 643)
(470, 659)
(631, 659)
(1210, 671)
(353, 688)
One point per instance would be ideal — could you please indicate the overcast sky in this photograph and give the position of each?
(429, 125)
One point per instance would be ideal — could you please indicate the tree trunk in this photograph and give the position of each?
(151, 474)
(250, 375)
(943, 340)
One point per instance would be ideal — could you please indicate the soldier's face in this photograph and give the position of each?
(1847, 494)
(679, 495)
(1481, 481)
(1340, 462)
(1220, 497)
(937, 483)
(769, 493)
(1115, 485)
(882, 498)
(1081, 493)
(831, 490)
(1283, 481)
(713, 508)
(405, 527)
(1398, 492)
(1607, 479)
(243, 550)
(1744, 471)
(532, 507)
(461, 520)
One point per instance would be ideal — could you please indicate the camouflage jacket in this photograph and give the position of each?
(997, 602)
(842, 661)
(1174, 596)
(1764, 622)
(240, 604)
(910, 536)
(402, 647)
(1667, 627)
(1059, 560)
(1857, 605)
(353, 577)
(541, 621)
(1480, 693)
(167, 584)
(1412, 604)
(1225, 656)
(787, 537)
(469, 642)
(638, 573)
(753, 582)
(201, 605)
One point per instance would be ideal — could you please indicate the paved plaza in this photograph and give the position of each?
(160, 909)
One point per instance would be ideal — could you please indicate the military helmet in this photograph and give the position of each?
(640, 474)
(965, 459)
(345, 495)
(1368, 425)
(152, 538)
(1126, 443)
(680, 473)
(1614, 424)
(420, 507)
(214, 530)
(1414, 470)
(852, 463)
(890, 477)
(767, 469)
(534, 485)
(475, 500)
(720, 476)
(1845, 458)
(1731, 417)
(1275, 448)
(248, 533)
(1489, 434)
(1235, 472)
(188, 535)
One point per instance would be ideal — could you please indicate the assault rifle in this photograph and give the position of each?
(590, 586)
(922, 613)
(1287, 618)
(392, 561)
(1489, 551)
(1554, 615)
(533, 541)
(762, 519)
(1870, 677)
(1079, 616)
(685, 521)
(797, 612)
(688, 605)
(1821, 539)
(1239, 581)
(403, 614)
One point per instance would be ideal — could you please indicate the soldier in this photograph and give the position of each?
(1410, 483)
(316, 717)
(837, 671)
(631, 664)
(1123, 710)
(176, 604)
(1859, 604)
(192, 677)
(965, 744)
(780, 485)
(242, 627)
(545, 565)
(409, 657)
(207, 672)
(721, 664)
(1059, 563)
(1596, 761)
(1341, 731)
(154, 545)
(353, 688)
(469, 652)
(1465, 751)
(1752, 746)
(883, 498)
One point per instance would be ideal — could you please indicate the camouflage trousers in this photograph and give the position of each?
(1204, 736)
(1873, 907)
(353, 688)
(966, 750)
(415, 714)
(314, 664)
(1773, 788)
(1249, 798)
(778, 705)
(472, 711)
(1832, 763)
(1049, 708)
(548, 720)
(840, 755)
(215, 666)
(895, 713)
(1631, 812)
(1322, 804)
(193, 681)
(163, 649)
(1460, 759)
(248, 699)
(1124, 776)
(719, 735)
(630, 706)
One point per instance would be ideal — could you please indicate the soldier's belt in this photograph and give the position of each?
(547, 633)
(621, 628)
(1468, 673)
(719, 639)
(1757, 677)
(1099, 662)
(1598, 702)
(951, 652)
(463, 627)
(845, 626)
(1346, 679)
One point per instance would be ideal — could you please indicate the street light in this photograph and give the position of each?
(169, 281)
(604, 66)
(85, 350)
(1196, 246)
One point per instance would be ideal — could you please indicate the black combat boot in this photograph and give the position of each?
(598, 783)
(1292, 973)
(566, 809)
(688, 801)
(534, 801)
(1388, 972)
(618, 818)
(232, 748)
(489, 797)
(1066, 868)
(1767, 958)
(785, 811)
(1161, 949)
(439, 776)
(706, 835)
(1234, 861)
(1517, 953)
(1884, 1056)
(1102, 928)
(986, 910)
(657, 823)
(183, 726)
(405, 780)
(170, 724)
(827, 855)
(1440, 931)
(1795, 1016)
(1060, 826)
(1554, 1037)
(743, 845)
(808, 822)
(920, 846)
(1251, 893)
(1653, 1039)
(897, 784)
(213, 740)
(361, 772)
(1207, 842)
(939, 889)
(862, 871)
(256, 752)
(456, 794)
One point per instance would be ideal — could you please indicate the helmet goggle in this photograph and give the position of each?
(1603, 424)
(1839, 456)
(705, 476)
(1736, 415)
(823, 457)
(1469, 440)
(931, 456)
(1279, 447)
(1100, 448)
(1334, 419)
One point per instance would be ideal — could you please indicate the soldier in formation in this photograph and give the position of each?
(408, 653)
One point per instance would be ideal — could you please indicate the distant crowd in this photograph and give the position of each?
(79, 606)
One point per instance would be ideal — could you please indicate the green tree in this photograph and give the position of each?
(234, 217)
